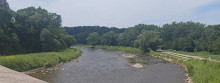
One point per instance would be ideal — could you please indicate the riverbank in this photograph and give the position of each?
(25, 62)
(200, 71)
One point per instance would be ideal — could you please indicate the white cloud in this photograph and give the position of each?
(118, 13)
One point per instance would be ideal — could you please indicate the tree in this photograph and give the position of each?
(109, 38)
(93, 39)
(82, 32)
(216, 46)
(122, 40)
(9, 41)
(128, 37)
(69, 40)
(170, 32)
(35, 24)
(184, 44)
(31, 30)
(208, 38)
(148, 40)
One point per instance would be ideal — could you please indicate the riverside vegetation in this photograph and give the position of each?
(192, 38)
(35, 30)
(182, 36)
(24, 62)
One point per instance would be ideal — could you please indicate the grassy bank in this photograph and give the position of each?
(120, 48)
(201, 71)
(26, 62)
(201, 53)
(116, 48)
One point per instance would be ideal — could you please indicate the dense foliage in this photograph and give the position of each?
(31, 30)
(182, 36)
(148, 39)
(82, 32)
(93, 39)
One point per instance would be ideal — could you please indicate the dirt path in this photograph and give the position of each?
(188, 56)
(11, 76)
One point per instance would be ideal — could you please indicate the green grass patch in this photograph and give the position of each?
(82, 45)
(120, 48)
(200, 53)
(25, 62)
(201, 71)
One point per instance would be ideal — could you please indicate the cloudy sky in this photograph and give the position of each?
(127, 13)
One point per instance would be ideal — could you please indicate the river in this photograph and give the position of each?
(102, 66)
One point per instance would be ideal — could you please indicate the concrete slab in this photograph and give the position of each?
(11, 76)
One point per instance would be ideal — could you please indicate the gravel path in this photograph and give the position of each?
(188, 56)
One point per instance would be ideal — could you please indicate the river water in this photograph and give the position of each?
(101, 66)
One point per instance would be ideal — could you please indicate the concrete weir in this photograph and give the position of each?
(11, 76)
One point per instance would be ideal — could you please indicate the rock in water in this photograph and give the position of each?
(137, 65)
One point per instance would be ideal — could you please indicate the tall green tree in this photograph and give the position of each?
(82, 32)
(171, 32)
(148, 40)
(109, 38)
(9, 41)
(208, 38)
(184, 44)
(31, 30)
(216, 46)
(93, 39)
(128, 37)
(39, 30)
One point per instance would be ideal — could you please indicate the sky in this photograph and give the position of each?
(126, 13)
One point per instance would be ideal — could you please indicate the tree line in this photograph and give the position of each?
(31, 30)
(181, 36)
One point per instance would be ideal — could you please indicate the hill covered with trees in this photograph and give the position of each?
(182, 36)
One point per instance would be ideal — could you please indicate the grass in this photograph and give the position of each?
(82, 45)
(201, 53)
(116, 48)
(120, 48)
(201, 71)
(25, 62)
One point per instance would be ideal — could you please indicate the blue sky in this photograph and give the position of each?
(127, 13)
(208, 8)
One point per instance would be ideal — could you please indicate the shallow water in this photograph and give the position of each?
(101, 66)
